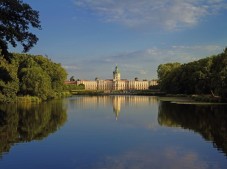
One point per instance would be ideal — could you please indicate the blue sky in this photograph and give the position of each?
(89, 37)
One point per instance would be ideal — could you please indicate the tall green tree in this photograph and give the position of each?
(205, 76)
(16, 18)
(57, 74)
(164, 71)
(35, 82)
(39, 76)
(9, 83)
(219, 75)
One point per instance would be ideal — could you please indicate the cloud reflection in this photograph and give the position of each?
(171, 158)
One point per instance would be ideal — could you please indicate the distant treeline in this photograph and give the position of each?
(30, 75)
(205, 76)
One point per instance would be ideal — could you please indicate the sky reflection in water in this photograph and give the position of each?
(114, 132)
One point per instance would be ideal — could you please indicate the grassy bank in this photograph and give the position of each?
(149, 92)
(118, 92)
(35, 99)
(28, 99)
(87, 92)
(62, 94)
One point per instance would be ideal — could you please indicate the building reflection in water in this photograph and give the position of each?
(116, 106)
(117, 102)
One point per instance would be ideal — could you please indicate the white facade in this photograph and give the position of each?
(117, 83)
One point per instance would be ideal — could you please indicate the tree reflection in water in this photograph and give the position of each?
(26, 122)
(208, 120)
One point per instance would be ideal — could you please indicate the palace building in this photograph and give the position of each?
(116, 83)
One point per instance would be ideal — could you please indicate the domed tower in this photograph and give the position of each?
(116, 74)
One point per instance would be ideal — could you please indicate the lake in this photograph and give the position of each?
(113, 132)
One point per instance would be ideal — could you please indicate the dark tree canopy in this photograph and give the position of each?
(206, 76)
(16, 18)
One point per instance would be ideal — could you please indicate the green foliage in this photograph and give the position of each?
(9, 83)
(28, 99)
(62, 94)
(30, 75)
(16, 18)
(165, 69)
(35, 82)
(54, 70)
(155, 87)
(39, 76)
(72, 79)
(165, 75)
(73, 87)
(219, 75)
(205, 76)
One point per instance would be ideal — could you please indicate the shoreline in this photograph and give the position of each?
(177, 98)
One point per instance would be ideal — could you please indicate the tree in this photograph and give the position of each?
(72, 79)
(219, 75)
(39, 76)
(166, 74)
(204, 76)
(57, 74)
(16, 18)
(35, 82)
(9, 83)
(165, 69)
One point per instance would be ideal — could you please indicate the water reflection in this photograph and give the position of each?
(147, 134)
(209, 121)
(92, 102)
(130, 143)
(27, 122)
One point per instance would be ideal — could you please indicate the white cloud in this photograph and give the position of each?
(143, 72)
(155, 55)
(167, 14)
(144, 63)
(70, 67)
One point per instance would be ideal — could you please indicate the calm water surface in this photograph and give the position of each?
(113, 132)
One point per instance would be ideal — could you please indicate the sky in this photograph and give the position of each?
(90, 37)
